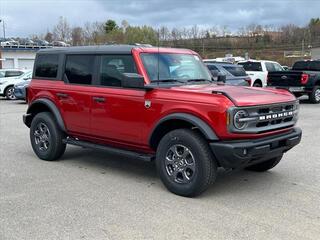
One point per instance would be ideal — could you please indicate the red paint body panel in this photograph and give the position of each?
(124, 121)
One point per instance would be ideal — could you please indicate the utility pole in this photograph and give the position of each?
(3, 28)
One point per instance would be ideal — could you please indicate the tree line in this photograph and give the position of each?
(207, 41)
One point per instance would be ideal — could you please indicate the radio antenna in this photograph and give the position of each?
(158, 55)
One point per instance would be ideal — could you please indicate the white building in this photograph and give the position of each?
(17, 58)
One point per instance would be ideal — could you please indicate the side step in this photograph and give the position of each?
(141, 156)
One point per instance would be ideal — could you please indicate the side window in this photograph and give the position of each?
(114, 67)
(79, 69)
(13, 73)
(47, 66)
(251, 66)
(269, 67)
(277, 67)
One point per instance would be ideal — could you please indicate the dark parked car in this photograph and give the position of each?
(26, 41)
(40, 42)
(20, 87)
(235, 74)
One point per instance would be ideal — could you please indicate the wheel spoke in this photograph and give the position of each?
(180, 164)
(186, 153)
(36, 133)
(42, 136)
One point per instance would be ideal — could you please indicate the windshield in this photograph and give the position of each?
(307, 65)
(173, 66)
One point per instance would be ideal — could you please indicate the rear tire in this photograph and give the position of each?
(314, 96)
(185, 163)
(265, 166)
(9, 93)
(257, 84)
(46, 137)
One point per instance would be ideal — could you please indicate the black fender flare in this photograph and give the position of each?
(203, 127)
(51, 106)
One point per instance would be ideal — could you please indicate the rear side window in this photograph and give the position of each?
(13, 73)
(236, 71)
(251, 66)
(79, 69)
(114, 67)
(47, 66)
(212, 67)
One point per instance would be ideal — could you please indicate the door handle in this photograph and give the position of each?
(62, 95)
(99, 99)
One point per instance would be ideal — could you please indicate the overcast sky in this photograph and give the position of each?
(23, 18)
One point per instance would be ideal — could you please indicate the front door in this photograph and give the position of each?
(117, 113)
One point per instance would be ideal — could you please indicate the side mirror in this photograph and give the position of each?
(132, 80)
(222, 78)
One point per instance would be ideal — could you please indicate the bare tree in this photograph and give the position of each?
(62, 30)
(77, 36)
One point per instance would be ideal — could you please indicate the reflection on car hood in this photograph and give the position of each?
(242, 96)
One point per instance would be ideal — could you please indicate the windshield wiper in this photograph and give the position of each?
(167, 81)
(199, 80)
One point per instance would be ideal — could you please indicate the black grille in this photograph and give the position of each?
(267, 117)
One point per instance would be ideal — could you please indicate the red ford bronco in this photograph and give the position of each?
(156, 103)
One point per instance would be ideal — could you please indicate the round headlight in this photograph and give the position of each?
(237, 119)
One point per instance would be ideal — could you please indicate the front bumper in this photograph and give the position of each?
(239, 154)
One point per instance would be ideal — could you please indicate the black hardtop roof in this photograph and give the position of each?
(116, 49)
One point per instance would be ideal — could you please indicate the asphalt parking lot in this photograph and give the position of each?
(95, 195)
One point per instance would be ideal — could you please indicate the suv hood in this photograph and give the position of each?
(242, 96)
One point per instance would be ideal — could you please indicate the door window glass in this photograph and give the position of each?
(79, 69)
(47, 66)
(114, 67)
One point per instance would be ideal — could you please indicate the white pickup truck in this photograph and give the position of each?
(258, 70)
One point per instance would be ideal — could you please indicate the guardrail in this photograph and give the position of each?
(24, 46)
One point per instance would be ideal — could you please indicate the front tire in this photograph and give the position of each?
(185, 163)
(46, 137)
(265, 166)
(314, 96)
(9, 93)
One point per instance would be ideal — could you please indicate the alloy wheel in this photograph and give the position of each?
(180, 164)
(42, 136)
(10, 93)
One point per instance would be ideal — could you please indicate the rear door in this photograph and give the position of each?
(117, 112)
(74, 96)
